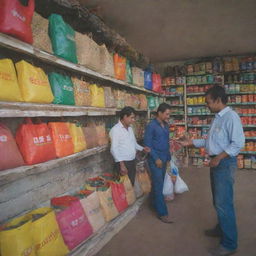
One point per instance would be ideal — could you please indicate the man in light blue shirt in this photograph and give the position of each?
(225, 140)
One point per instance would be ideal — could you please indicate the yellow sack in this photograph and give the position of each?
(97, 96)
(91, 206)
(130, 195)
(9, 87)
(107, 204)
(34, 83)
(46, 233)
(17, 241)
(78, 138)
(144, 181)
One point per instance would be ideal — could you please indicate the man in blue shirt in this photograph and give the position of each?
(225, 140)
(157, 139)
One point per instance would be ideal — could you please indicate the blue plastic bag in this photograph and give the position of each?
(148, 84)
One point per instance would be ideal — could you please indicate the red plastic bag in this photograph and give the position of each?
(119, 196)
(61, 138)
(157, 82)
(74, 225)
(9, 153)
(35, 142)
(15, 19)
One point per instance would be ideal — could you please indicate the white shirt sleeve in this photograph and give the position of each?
(115, 136)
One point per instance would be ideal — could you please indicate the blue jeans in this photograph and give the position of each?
(222, 180)
(157, 197)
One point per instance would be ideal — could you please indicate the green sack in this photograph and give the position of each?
(62, 38)
(62, 88)
(151, 102)
(129, 78)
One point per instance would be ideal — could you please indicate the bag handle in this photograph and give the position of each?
(31, 6)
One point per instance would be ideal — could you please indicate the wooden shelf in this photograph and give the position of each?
(21, 47)
(21, 109)
(11, 175)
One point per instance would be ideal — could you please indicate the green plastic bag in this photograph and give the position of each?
(62, 88)
(62, 38)
(151, 102)
(129, 78)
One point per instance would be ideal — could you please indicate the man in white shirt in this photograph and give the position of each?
(124, 144)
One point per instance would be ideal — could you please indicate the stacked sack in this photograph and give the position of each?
(39, 142)
(71, 220)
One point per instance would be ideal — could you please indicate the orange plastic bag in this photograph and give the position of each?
(120, 67)
(61, 138)
(35, 142)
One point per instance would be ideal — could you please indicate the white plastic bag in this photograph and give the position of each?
(168, 188)
(180, 186)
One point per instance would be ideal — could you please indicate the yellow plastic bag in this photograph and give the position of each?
(78, 138)
(130, 194)
(46, 233)
(107, 204)
(98, 98)
(34, 83)
(9, 87)
(91, 206)
(17, 241)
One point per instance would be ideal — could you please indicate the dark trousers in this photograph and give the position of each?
(131, 167)
(222, 180)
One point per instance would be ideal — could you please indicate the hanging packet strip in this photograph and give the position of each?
(62, 88)
(62, 38)
(78, 138)
(35, 142)
(9, 86)
(9, 153)
(61, 138)
(34, 83)
(15, 19)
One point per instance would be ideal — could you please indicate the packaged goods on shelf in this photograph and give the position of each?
(10, 90)
(109, 97)
(138, 76)
(148, 80)
(198, 111)
(88, 52)
(157, 82)
(143, 102)
(35, 142)
(82, 92)
(129, 76)
(63, 38)
(41, 38)
(34, 83)
(62, 88)
(12, 23)
(106, 62)
(91, 136)
(120, 67)
(97, 96)
(9, 153)
(196, 100)
(78, 138)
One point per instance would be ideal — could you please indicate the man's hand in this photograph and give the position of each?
(146, 149)
(123, 169)
(159, 163)
(214, 161)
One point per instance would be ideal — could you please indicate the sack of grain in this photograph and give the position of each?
(41, 39)
(88, 52)
(106, 62)
(138, 76)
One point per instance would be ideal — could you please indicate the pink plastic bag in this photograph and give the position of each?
(74, 225)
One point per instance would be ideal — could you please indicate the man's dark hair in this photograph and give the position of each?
(163, 107)
(216, 92)
(127, 111)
